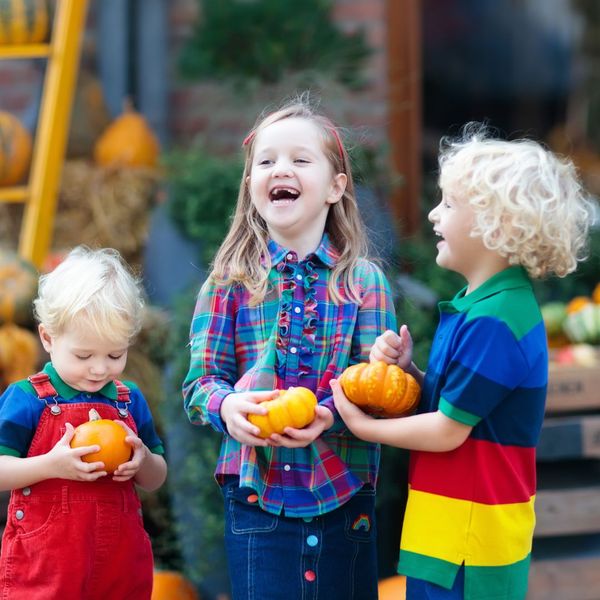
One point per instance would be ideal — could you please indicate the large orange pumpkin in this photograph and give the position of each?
(15, 149)
(18, 287)
(127, 142)
(24, 21)
(171, 585)
(392, 588)
(295, 407)
(381, 389)
(107, 434)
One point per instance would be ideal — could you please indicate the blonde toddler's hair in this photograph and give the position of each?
(529, 204)
(93, 291)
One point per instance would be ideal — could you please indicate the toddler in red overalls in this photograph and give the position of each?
(73, 531)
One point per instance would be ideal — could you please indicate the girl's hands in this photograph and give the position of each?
(299, 438)
(65, 462)
(393, 349)
(234, 411)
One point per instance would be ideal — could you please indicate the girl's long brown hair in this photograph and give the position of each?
(243, 257)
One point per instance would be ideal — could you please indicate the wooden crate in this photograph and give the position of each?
(566, 548)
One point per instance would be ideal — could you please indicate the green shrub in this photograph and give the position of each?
(267, 39)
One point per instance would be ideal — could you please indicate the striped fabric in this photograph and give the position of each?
(488, 369)
(296, 337)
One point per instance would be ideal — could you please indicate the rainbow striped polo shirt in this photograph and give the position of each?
(488, 368)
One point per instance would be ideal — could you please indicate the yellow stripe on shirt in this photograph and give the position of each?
(460, 530)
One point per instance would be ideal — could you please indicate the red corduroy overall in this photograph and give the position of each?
(74, 540)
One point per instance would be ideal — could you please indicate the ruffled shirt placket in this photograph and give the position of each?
(298, 319)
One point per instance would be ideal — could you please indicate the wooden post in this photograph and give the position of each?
(404, 74)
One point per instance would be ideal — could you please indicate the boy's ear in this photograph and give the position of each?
(338, 187)
(45, 337)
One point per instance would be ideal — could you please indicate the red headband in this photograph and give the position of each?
(331, 128)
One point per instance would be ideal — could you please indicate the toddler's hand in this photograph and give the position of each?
(393, 349)
(65, 462)
(235, 409)
(299, 438)
(129, 469)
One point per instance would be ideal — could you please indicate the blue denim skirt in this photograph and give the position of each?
(329, 557)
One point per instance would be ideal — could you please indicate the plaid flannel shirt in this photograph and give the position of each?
(296, 337)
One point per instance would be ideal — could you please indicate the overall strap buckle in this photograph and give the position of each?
(45, 391)
(123, 394)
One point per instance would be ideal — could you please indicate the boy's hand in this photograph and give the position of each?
(299, 438)
(234, 410)
(356, 420)
(393, 349)
(129, 469)
(65, 462)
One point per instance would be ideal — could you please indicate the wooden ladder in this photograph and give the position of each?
(40, 193)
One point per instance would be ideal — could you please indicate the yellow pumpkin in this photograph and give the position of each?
(18, 353)
(295, 407)
(127, 142)
(107, 434)
(18, 287)
(381, 389)
(392, 588)
(576, 304)
(24, 21)
(596, 294)
(15, 149)
(171, 585)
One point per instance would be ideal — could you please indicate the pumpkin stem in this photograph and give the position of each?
(94, 415)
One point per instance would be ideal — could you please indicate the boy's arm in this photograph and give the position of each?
(375, 315)
(62, 461)
(152, 472)
(429, 432)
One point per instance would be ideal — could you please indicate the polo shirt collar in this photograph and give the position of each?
(507, 279)
(68, 393)
(326, 252)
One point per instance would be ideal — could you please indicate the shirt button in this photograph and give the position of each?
(287, 468)
(299, 277)
(26, 491)
(312, 540)
(293, 349)
(310, 575)
(19, 514)
(307, 519)
(297, 309)
(290, 256)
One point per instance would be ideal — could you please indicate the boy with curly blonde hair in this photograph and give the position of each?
(510, 211)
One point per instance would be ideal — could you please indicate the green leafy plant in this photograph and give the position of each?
(203, 193)
(266, 39)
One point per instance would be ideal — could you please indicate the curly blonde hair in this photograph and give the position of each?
(243, 257)
(529, 204)
(93, 291)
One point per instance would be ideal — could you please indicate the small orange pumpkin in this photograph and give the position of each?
(127, 142)
(15, 149)
(171, 585)
(576, 304)
(107, 434)
(596, 294)
(295, 407)
(392, 588)
(381, 389)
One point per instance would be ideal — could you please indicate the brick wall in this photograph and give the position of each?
(212, 110)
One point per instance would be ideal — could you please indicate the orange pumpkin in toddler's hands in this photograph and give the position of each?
(295, 407)
(107, 434)
(381, 389)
